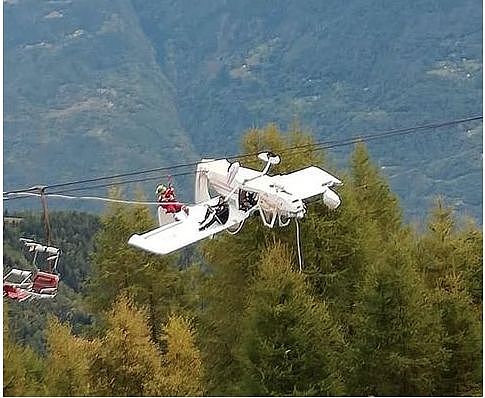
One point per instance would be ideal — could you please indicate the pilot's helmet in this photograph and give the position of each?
(161, 189)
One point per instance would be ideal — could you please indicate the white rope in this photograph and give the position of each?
(95, 198)
(300, 260)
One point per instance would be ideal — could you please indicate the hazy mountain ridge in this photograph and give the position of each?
(82, 87)
(218, 68)
(341, 70)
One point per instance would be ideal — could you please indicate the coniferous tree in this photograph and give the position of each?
(435, 256)
(445, 251)
(22, 368)
(398, 341)
(22, 371)
(14, 372)
(469, 261)
(265, 328)
(290, 345)
(67, 362)
(338, 246)
(463, 372)
(375, 198)
(125, 362)
(181, 364)
(451, 263)
(233, 260)
(114, 261)
(118, 268)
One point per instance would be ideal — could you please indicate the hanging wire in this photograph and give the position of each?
(321, 145)
(47, 225)
(19, 194)
(99, 198)
(298, 244)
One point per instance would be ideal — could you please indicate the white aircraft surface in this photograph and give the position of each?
(238, 193)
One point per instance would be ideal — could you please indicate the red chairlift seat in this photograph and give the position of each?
(21, 285)
(34, 286)
(45, 283)
(14, 292)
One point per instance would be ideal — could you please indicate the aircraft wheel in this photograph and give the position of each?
(235, 228)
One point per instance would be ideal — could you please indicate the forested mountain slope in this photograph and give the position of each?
(84, 94)
(341, 69)
(114, 86)
(73, 233)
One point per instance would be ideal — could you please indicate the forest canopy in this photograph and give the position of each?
(381, 307)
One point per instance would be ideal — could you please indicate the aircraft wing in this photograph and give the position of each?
(171, 237)
(307, 182)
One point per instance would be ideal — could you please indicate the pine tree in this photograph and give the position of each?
(376, 200)
(451, 262)
(14, 372)
(67, 362)
(445, 251)
(469, 261)
(436, 249)
(182, 364)
(398, 336)
(22, 368)
(234, 259)
(22, 371)
(114, 261)
(289, 344)
(125, 362)
(119, 268)
(338, 246)
(462, 374)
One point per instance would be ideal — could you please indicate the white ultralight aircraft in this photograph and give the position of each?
(239, 192)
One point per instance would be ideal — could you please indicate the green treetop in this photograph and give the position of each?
(375, 198)
(182, 364)
(126, 362)
(289, 345)
(67, 362)
(398, 337)
(118, 268)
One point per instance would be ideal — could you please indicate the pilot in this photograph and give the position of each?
(160, 192)
(247, 200)
(218, 212)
